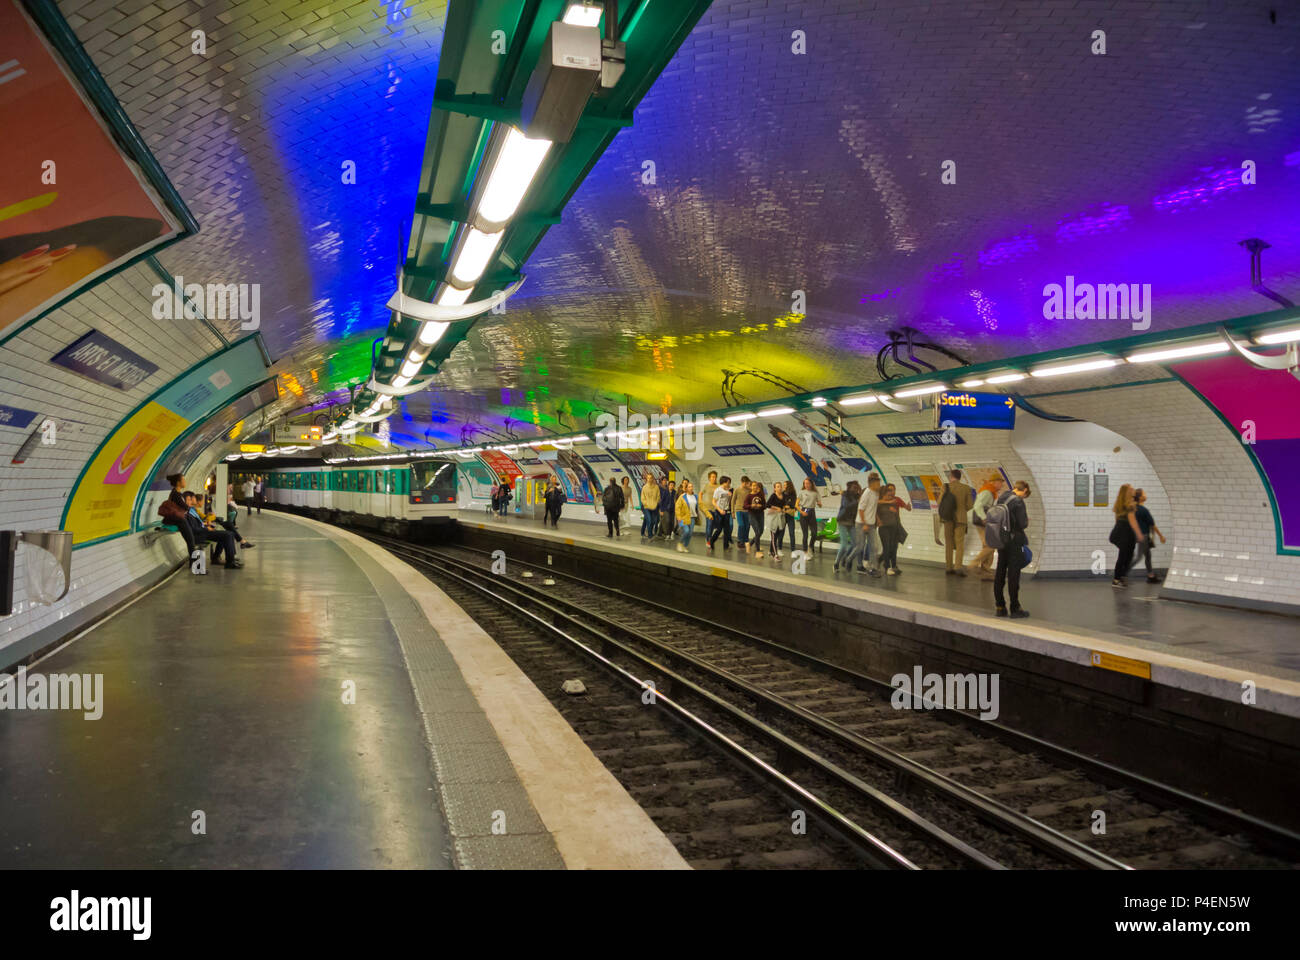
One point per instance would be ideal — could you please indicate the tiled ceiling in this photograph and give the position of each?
(773, 172)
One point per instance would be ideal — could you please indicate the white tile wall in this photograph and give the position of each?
(1227, 542)
(33, 494)
(1051, 450)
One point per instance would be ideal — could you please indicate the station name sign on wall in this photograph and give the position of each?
(977, 411)
(919, 438)
(104, 360)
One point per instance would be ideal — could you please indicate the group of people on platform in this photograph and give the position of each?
(869, 521)
(183, 509)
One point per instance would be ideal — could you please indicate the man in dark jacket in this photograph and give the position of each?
(1011, 555)
(554, 500)
(224, 539)
(612, 501)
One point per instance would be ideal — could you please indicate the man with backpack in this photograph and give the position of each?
(612, 501)
(957, 501)
(1005, 524)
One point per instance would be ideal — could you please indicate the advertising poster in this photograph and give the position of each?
(979, 474)
(636, 465)
(916, 492)
(103, 501)
(578, 481)
(73, 206)
(507, 470)
(475, 481)
(802, 444)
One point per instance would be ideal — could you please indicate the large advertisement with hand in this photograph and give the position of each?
(102, 501)
(74, 205)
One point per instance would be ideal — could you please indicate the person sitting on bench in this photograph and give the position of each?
(223, 540)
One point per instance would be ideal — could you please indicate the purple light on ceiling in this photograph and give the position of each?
(877, 297)
(1006, 251)
(1208, 185)
(984, 309)
(944, 271)
(1105, 219)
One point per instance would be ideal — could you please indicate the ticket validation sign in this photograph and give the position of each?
(977, 411)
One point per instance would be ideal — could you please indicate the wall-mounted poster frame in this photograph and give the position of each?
(85, 198)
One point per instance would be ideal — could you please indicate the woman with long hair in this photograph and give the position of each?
(807, 503)
(890, 527)
(755, 504)
(1126, 534)
(776, 519)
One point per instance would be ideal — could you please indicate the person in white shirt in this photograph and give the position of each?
(721, 515)
(867, 524)
(248, 495)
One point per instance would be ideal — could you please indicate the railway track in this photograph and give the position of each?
(1011, 799)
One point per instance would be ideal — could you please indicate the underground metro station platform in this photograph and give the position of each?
(656, 435)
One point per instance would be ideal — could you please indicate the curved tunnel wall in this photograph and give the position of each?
(33, 494)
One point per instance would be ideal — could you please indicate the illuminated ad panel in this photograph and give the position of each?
(579, 481)
(101, 504)
(474, 481)
(74, 207)
(1265, 400)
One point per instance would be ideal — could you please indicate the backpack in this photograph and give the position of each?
(611, 497)
(947, 505)
(997, 524)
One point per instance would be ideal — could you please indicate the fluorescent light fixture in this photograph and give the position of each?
(411, 367)
(432, 331)
(1082, 367)
(451, 296)
(348, 425)
(1176, 353)
(967, 384)
(737, 417)
(476, 249)
(1280, 336)
(855, 401)
(399, 382)
(579, 438)
(536, 443)
(775, 411)
(583, 14)
(1007, 377)
(921, 390)
(817, 402)
(512, 174)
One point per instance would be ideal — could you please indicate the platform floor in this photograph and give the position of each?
(225, 694)
(1237, 642)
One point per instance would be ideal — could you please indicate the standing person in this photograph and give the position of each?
(626, 510)
(259, 493)
(495, 494)
(891, 527)
(807, 503)
(248, 494)
(987, 496)
(1126, 534)
(956, 503)
(845, 521)
(867, 550)
(504, 496)
(687, 507)
(1147, 524)
(554, 500)
(667, 504)
(706, 503)
(649, 506)
(1005, 526)
(721, 515)
(612, 501)
(776, 519)
(742, 513)
(755, 504)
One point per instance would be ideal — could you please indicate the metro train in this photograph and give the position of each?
(385, 497)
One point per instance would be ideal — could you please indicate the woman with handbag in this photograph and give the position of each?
(890, 527)
(1126, 534)
(755, 504)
